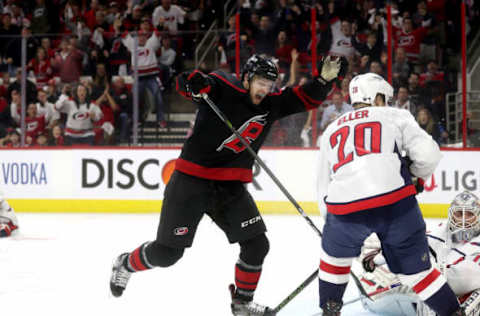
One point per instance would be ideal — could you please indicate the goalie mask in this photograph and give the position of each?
(365, 88)
(463, 217)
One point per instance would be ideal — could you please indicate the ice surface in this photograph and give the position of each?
(59, 265)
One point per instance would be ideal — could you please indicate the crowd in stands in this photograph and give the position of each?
(79, 61)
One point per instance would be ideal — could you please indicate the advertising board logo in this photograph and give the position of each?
(122, 169)
(454, 180)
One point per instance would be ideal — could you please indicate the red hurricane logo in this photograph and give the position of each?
(180, 231)
(81, 116)
(250, 130)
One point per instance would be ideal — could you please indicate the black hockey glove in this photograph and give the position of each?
(198, 83)
(332, 68)
(368, 263)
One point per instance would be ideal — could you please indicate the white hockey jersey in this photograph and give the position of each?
(360, 165)
(146, 55)
(79, 118)
(461, 260)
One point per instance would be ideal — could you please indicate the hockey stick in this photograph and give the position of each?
(295, 292)
(304, 284)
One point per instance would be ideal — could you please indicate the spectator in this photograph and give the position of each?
(35, 124)
(374, 45)
(56, 137)
(283, 51)
(123, 98)
(5, 117)
(46, 44)
(105, 126)
(426, 121)
(100, 82)
(432, 75)
(31, 88)
(414, 89)
(41, 68)
(118, 60)
(410, 39)
(333, 111)
(113, 11)
(171, 14)
(12, 140)
(8, 31)
(47, 109)
(148, 69)
(264, 37)
(40, 15)
(68, 61)
(81, 114)
(42, 140)
(400, 67)
(132, 19)
(403, 101)
(341, 39)
(166, 60)
(376, 68)
(90, 16)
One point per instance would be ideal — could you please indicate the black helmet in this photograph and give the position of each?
(260, 66)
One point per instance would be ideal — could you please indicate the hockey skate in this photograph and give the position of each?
(120, 276)
(248, 308)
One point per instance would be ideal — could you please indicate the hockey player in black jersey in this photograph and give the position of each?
(213, 167)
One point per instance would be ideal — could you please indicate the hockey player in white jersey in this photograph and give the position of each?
(8, 220)
(365, 187)
(454, 248)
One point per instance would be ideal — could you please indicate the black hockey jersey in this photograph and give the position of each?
(213, 151)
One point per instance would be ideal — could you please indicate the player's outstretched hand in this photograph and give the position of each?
(368, 263)
(331, 68)
(197, 83)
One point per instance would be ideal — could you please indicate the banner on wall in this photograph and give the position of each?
(140, 175)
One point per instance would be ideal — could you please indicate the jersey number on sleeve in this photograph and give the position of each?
(340, 138)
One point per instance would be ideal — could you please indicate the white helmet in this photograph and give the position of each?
(364, 88)
(463, 217)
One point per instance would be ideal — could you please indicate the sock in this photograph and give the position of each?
(137, 260)
(435, 292)
(330, 291)
(246, 280)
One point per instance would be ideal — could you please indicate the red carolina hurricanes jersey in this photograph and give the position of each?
(213, 151)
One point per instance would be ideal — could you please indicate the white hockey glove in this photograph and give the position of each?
(331, 69)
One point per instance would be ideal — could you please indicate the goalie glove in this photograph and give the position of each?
(331, 69)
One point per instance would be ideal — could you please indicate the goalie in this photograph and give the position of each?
(8, 220)
(454, 249)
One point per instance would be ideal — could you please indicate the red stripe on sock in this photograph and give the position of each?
(246, 277)
(476, 258)
(135, 261)
(429, 279)
(333, 269)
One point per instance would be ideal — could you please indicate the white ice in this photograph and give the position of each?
(60, 265)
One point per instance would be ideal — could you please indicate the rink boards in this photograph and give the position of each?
(126, 180)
